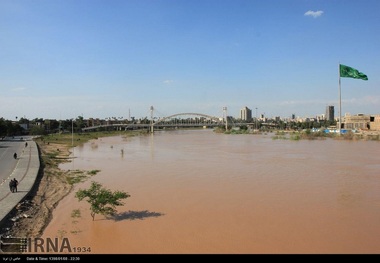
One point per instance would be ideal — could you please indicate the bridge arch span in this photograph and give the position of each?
(216, 119)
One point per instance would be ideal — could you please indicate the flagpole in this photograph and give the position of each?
(340, 102)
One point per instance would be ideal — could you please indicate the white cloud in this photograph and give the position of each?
(367, 100)
(19, 89)
(302, 102)
(314, 14)
(168, 81)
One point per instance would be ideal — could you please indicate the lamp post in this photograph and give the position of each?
(256, 118)
(72, 132)
(225, 115)
(72, 139)
(151, 119)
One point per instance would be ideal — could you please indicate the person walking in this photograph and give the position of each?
(11, 185)
(15, 183)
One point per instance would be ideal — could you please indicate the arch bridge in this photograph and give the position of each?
(169, 122)
(201, 118)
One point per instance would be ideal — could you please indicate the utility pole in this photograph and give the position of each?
(256, 118)
(72, 132)
(226, 117)
(151, 119)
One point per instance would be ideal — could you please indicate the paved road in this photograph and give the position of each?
(8, 147)
(24, 169)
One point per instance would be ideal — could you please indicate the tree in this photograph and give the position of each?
(79, 122)
(37, 130)
(3, 127)
(103, 201)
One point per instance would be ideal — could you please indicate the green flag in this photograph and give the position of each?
(348, 72)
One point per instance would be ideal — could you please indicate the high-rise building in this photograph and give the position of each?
(329, 113)
(245, 114)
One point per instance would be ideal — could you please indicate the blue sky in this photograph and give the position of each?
(115, 58)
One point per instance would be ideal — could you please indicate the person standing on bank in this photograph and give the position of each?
(15, 182)
(11, 185)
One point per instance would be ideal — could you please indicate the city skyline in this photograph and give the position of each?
(96, 59)
(244, 114)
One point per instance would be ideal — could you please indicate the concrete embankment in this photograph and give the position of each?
(26, 172)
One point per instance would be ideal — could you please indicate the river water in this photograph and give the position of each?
(196, 191)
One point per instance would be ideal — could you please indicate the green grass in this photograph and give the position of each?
(93, 172)
(75, 213)
(78, 176)
(76, 139)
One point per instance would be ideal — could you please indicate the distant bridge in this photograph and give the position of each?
(172, 121)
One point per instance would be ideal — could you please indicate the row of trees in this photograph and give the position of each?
(304, 125)
(40, 126)
(290, 125)
(8, 128)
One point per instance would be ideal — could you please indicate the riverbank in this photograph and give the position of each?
(52, 184)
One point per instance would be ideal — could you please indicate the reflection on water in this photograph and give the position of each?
(201, 192)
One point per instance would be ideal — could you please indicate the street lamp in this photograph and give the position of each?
(72, 132)
(72, 139)
(256, 118)
(225, 114)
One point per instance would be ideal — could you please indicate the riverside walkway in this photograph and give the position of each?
(26, 171)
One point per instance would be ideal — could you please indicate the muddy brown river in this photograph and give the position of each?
(196, 191)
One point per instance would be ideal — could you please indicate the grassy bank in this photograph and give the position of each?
(56, 149)
(75, 139)
(308, 135)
